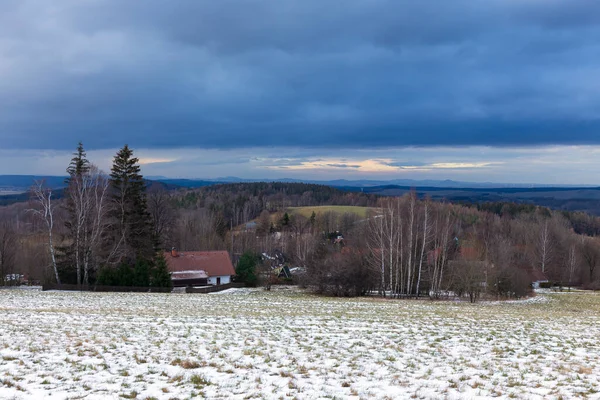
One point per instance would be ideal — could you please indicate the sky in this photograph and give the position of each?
(470, 90)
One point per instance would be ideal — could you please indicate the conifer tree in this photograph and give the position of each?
(246, 268)
(141, 273)
(79, 163)
(160, 275)
(285, 221)
(133, 234)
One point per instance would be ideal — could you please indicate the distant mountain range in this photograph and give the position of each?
(363, 183)
(21, 183)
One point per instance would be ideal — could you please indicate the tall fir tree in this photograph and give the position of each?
(79, 163)
(133, 234)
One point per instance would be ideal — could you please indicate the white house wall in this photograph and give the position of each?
(224, 279)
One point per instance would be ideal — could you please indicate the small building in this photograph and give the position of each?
(251, 226)
(282, 272)
(537, 278)
(199, 268)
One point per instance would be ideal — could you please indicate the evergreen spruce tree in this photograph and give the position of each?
(79, 163)
(133, 233)
(160, 275)
(246, 268)
(141, 273)
(124, 274)
(107, 276)
(285, 220)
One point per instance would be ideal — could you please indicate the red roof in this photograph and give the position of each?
(214, 263)
(536, 275)
(469, 253)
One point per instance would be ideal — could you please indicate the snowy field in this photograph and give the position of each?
(245, 344)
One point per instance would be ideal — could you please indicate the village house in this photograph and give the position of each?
(199, 268)
(251, 226)
(537, 277)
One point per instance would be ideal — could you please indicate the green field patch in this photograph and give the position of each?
(362, 212)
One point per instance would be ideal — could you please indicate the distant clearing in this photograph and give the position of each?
(307, 211)
(6, 192)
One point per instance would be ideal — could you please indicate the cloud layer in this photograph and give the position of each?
(322, 74)
(549, 165)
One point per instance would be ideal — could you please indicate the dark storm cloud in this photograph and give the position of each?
(310, 73)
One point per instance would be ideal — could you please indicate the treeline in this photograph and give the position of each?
(202, 219)
(100, 232)
(241, 202)
(582, 223)
(413, 247)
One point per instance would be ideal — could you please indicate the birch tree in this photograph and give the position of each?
(571, 262)
(544, 246)
(424, 241)
(411, 224)
(442, 232)
(377, 244)
(44, 210)
(97, 220)
(78, 204)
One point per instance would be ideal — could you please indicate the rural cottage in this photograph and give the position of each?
(199, 268)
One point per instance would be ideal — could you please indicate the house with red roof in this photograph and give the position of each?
(199, 268)
(536, 277)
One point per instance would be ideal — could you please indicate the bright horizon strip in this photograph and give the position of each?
(523, 165)
(378, 165)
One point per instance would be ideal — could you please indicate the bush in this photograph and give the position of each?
(344, 273)
(509, 282)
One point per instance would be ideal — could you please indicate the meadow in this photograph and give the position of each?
(286, 344)
(361, 212)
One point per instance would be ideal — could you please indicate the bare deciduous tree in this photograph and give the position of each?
(161, 212)
(377, 246)
(571, 263)
(543, 245)
(8, 253)
(44, 210)
(425, 240)
(590, 254)
(97, 221)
